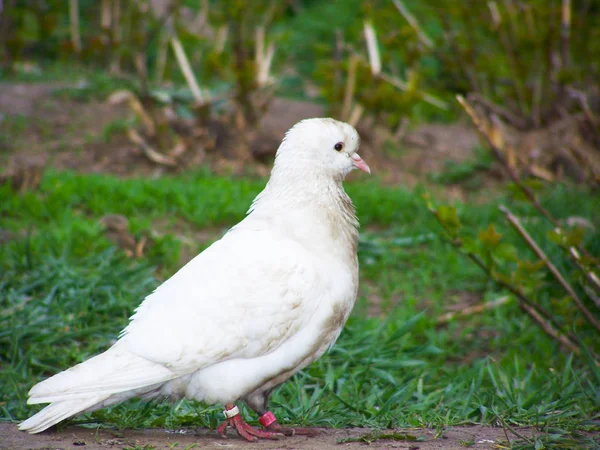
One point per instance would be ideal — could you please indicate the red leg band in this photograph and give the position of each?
(267, 419)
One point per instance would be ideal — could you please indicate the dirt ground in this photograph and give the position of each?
(39, 126)
(455, 438)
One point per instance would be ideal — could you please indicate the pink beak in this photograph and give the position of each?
(359, 163)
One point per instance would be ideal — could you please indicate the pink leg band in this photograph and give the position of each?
(267, 419)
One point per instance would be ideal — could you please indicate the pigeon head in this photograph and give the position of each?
(320, 146)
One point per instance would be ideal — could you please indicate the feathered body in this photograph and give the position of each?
(255, 307)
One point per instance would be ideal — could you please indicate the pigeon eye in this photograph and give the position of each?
(339, 146)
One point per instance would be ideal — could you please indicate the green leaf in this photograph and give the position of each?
(449, 219)
(406, 327)
(574, 236)
(469, 244)
(568, 238)
(531, 267)
(555, 237)
(490, 238)
(507, 252)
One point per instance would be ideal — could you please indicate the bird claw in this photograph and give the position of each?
(246, 431)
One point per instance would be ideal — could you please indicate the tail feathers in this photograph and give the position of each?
(54, 413)
(103, 380)
(110, 373)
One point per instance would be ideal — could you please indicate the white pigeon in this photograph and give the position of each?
(247, 313)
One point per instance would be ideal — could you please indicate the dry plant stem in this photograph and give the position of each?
(551, 267)
(264, 58)
(74, 25)
(161, 57)
(150, 153)
(514, 119)
(350, 85)
(356, 114)
(565, 32)
(339, 45)
(105, 17)
(481, 127)
(413, 23)
(259, 50)
(589, 114)
(513, 175)
(372, 49)
(505, 427)
(591, 294)
(472, 310)
(589, 274)
(116, 35)
(187, 71)
(581, 155)
(500, 157)
(549, 330)
(539, 315)
(403, 86)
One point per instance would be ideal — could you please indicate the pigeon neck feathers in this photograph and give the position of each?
(304, 195)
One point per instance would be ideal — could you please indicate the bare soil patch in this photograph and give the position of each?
(38, 126)
(454, 438)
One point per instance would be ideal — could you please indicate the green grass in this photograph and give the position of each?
(66, 292)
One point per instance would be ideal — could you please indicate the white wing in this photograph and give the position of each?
(241, 298)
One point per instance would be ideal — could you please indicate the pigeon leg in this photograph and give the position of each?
(257, 401)
(269, 421)
(234, 420)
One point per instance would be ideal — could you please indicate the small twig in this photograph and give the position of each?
(356, 114)
(116, 35)
(337, 56)
(161, 57)
(584, 159)
(372, 49)
(121, 96)
(187, 71)
(413, 23)
(394, 81)
(551, 267)
(514, 119)
(565, 32)
(539, 315)
(506, 426)
(150, 153)
(105, 16)
(74, 25)
(481, 127)
(585, 106)
(589, 274)
(264, 58)
(591, 294)
(550, 331)
(350, 85)
(221, 39)
(476, 309)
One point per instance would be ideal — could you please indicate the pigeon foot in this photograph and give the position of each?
(234, 420)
